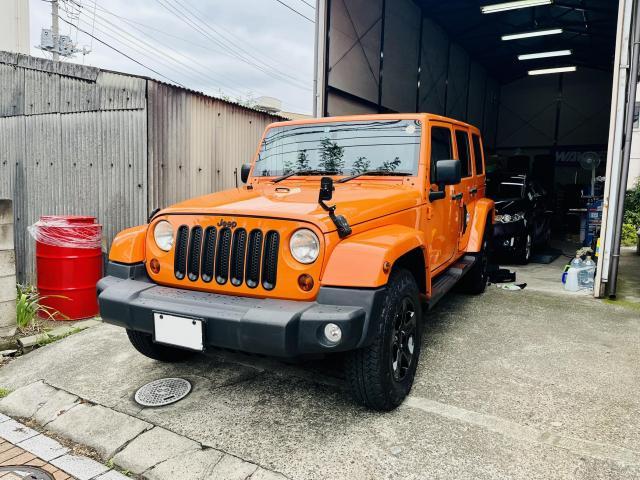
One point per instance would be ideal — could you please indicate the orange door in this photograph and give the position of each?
(443, 222)
(467, 189)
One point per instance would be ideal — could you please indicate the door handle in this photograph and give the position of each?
(457, 196)
(473, 191)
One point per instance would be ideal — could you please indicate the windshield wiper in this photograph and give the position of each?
(374, 173)
(304, 172)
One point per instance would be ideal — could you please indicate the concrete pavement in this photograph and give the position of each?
(512, 384)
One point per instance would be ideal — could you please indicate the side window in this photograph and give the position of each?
(441, 147)
(462, 140)
(477, 153)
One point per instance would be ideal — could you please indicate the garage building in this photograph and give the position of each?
(540, 78)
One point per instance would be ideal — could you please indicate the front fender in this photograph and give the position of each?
(484, 213)
(129, 245)
(358, 260)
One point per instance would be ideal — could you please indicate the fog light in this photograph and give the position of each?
(155, 265)
(333, 333)
(305, 282)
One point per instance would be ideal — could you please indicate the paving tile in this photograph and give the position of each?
(21, 459)
(262, 474)
(25, 401)
(4, 418)
(4, 446)
(151, 448)
(15, 432)
(232, 468)
(82, 468)
(57, 404)
(11, 453)
(60, 475)
(112, 475)
(101, 428)
(43, 447)
(190, 465)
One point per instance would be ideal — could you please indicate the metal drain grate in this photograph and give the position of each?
(25, 473)
(162, 392)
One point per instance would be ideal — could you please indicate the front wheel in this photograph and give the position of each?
(143, 343)
(381, 375)
(524, 256)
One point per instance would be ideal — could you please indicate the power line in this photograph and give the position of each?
(123, 54)
(307, 3)
(182, 16)
(201, 15)
(295, 11)
(193, 67)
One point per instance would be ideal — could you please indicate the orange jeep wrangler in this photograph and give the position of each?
(347, 228)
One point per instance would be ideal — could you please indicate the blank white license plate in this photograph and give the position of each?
(178, 331)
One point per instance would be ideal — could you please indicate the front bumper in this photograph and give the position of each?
(509, 237)
(283, 328)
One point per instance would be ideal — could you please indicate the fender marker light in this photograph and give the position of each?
(505, 6)
(556, 53)
(546, 71)
(535, 33)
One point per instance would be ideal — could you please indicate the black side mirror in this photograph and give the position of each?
(244, 172)
(448, 172)
(326, 189)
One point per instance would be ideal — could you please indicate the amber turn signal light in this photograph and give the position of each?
(305, 282)
(155, 265)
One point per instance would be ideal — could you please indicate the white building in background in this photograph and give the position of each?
(14, 26)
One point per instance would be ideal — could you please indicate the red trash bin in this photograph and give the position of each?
(69, 264)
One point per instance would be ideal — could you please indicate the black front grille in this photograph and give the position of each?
(180, 263)
(235, 256)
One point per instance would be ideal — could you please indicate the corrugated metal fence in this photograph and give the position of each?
(79, 140)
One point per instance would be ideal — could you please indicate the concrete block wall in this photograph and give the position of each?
(7, 271)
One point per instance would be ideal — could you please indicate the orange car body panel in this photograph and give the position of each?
(366, 253)
(129, 246)
(389, 217)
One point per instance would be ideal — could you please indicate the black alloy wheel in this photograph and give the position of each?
(403, 340)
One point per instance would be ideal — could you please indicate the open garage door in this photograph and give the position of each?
(540, 78)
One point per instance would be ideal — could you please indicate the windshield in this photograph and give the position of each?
(341, 148)
(505, 190)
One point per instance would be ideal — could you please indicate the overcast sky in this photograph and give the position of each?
(197, 43)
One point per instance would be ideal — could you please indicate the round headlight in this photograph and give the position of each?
(163, 235)
(304, 246)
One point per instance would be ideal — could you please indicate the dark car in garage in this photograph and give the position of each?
(522, 217)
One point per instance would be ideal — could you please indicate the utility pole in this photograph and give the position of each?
(54, 28)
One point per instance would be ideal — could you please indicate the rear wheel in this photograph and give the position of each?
(380, 376)
(143, 343)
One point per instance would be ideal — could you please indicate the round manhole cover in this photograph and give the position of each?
(162, 392)
(25, 473)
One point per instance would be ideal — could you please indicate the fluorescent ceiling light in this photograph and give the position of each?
(533, 56)
(535, 33)
(503, 7)
(546, 71)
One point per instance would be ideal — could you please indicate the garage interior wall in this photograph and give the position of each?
(388, 56)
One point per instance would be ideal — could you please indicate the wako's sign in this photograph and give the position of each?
(572, 157)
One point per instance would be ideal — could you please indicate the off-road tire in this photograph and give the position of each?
(370, 372)
(475, 281)
(143, 343)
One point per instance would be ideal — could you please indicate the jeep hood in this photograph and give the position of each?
(356, 202)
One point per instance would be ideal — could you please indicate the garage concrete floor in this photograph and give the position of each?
(511, 384)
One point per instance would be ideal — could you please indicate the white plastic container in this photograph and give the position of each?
(572, 283)
(586, 274)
